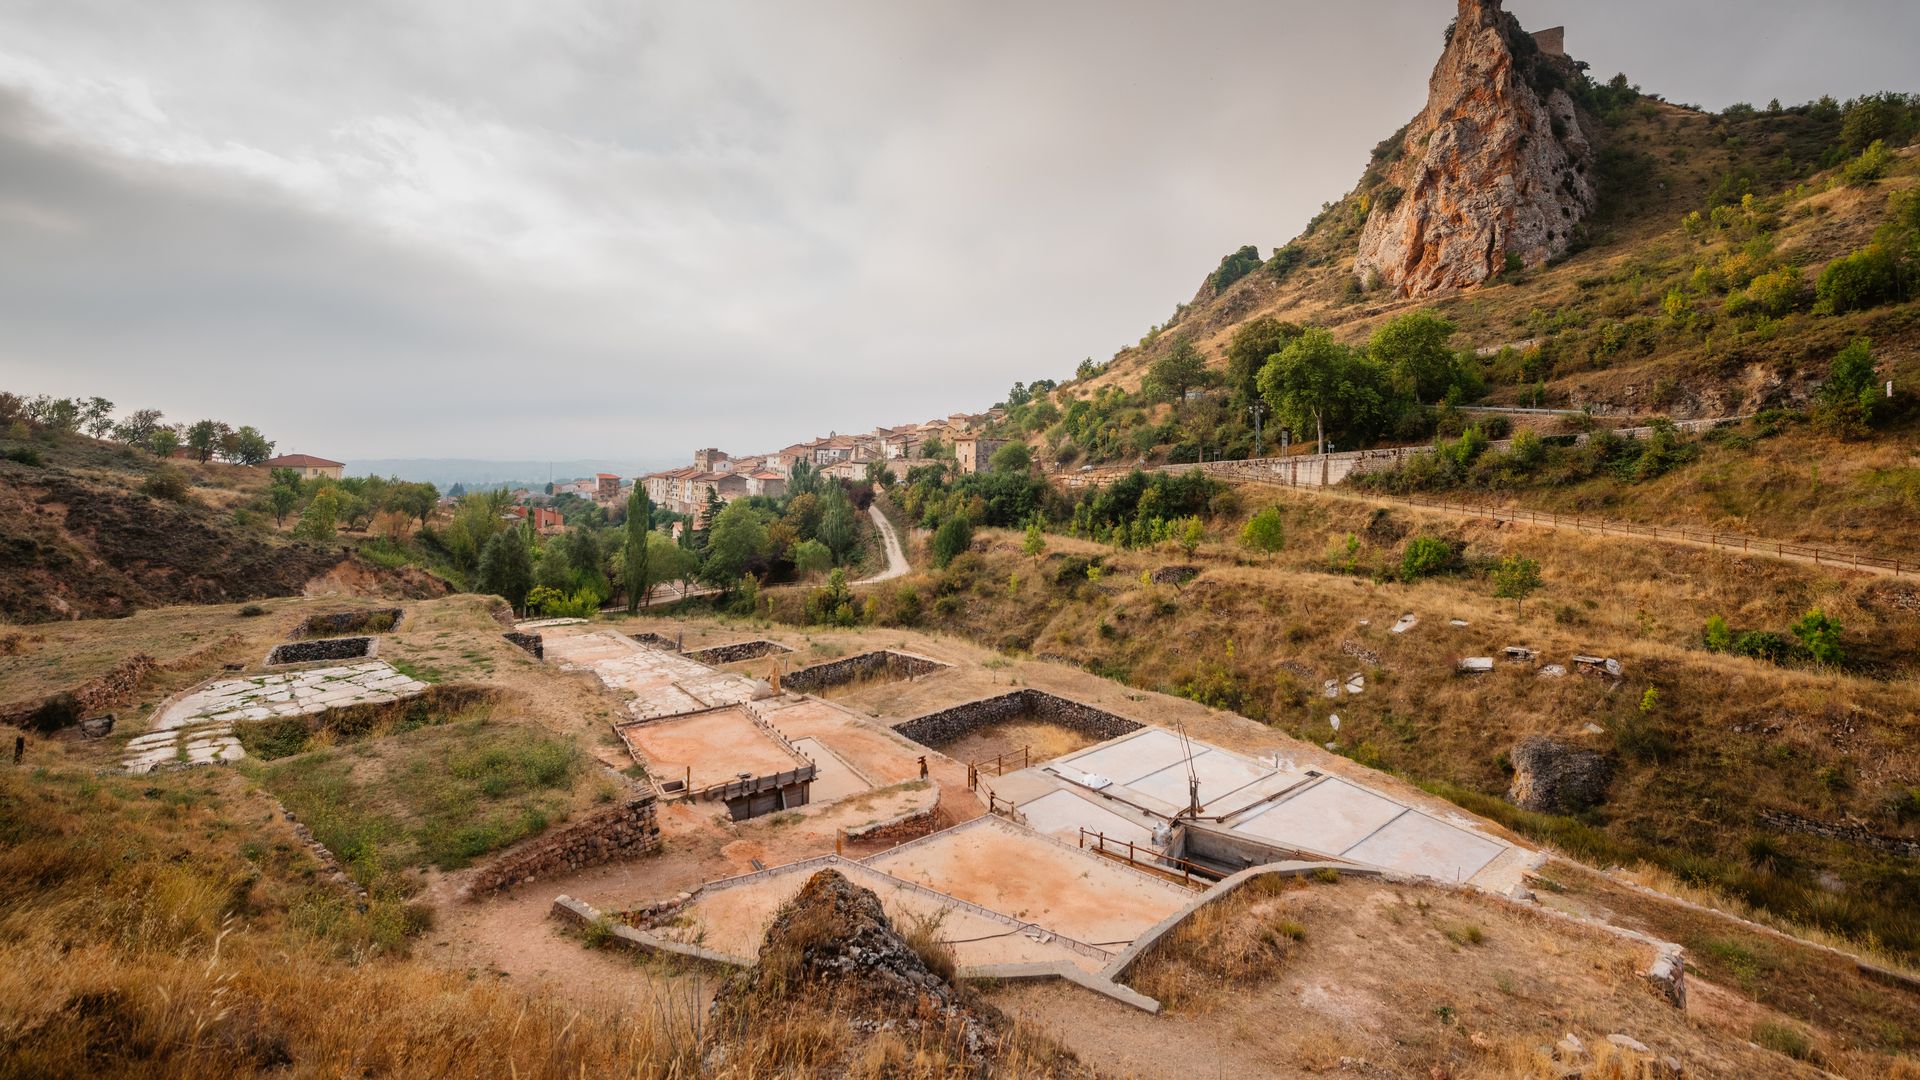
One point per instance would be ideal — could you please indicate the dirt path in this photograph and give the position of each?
(897, 565)
(1731, 543)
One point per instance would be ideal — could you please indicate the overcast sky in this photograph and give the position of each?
(562, 229)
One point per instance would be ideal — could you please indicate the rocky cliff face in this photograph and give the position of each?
(1496, 165)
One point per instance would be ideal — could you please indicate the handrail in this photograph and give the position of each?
(1158, 865)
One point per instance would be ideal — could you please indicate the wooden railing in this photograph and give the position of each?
(735, 789)
(998, 765)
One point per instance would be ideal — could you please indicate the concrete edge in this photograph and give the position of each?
(1040, 971)
(580, 913)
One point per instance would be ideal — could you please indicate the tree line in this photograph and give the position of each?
(142, 429)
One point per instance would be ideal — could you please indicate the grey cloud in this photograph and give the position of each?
(594, 228)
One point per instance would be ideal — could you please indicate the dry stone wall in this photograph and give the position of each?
(1850, 834)
(950, 725)
(116, 687)
(307, 652)
(739, 650)
(893, 665)
(626, 831)
(378, 621)
(532, 643)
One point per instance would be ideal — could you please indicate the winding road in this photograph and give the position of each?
(897, 565)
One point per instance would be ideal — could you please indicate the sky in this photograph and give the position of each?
(614, 229)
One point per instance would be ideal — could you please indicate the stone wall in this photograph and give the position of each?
(908, 826)
(1850, 834)
(647, 637)
(307, 652)
(377, 621)
(626, 831)
(116, 687)
(950, 725)
(739, 650)
(893, 665)
(532, 643)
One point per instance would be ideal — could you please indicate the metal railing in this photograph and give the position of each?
(1167, 866)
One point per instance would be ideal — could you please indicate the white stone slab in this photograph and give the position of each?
(1328, 817)
(1418, 844)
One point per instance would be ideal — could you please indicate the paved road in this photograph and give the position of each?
(897, 565)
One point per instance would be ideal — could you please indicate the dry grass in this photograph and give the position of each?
(1229, 945)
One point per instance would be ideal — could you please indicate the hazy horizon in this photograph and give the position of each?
(591, 231)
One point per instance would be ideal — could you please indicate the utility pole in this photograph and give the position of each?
(1259, 411)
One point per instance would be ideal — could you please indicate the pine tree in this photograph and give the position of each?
(634, 557)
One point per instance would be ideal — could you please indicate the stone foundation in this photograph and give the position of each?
(626, 831)
(1849, 834)
(739, 650)
(117, 687)
(911, 825)
(950, 725)
(885, 663)
(532, 643)
(308, 652)
(645, 637)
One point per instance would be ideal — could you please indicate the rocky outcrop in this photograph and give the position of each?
(1497, 165)
(1555, 777)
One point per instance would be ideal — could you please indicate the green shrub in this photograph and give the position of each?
(24, 455)
(1427, 556)
(166, 483)
(1761, 645)
(1775, 293)
(1717, 636)
(1783, 1039)
(1820, 637)
(1864, 279)
(954, 536)
(1871, 165)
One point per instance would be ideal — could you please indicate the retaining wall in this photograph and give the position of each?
(893, 665)
(349, 622)
(307, 652)
(911, 825)
(1851, 834)
(647, 637)
(116, 687)
(626, 831)
(950, 725)
(532, 643)
(739, 650)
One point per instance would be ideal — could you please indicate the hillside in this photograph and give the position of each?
(1688, 284)
(91, 529)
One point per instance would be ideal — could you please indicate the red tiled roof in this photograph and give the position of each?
(608, 476)
(301, 461)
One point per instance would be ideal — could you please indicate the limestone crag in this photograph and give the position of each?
(1496, 165)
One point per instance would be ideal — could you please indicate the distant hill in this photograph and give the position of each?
(445, 472)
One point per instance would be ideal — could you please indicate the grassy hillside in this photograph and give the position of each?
(1702, 742)
(91, 528)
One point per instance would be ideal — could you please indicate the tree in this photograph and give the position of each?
(635, 573)
(1180, 369)
(245, 446)
(163, 442)
(811, 557)
(1035, 543)
(803, 478)
(417, 500)
(96, 417)
(1253, 344)
(282, 498)
(203, 438)
(1191, 534)
(735, 539)
(666, 561)
(138, 427)
(506, 568)
(1820, 636)
(1426, 556)
(1265, 531)
(1852, 389)
(954, 536)
(1515, 579)
(321, 517)
(836, 522)
(1414, 348)
(1015, 457)
(878, 475)
(1318, 382)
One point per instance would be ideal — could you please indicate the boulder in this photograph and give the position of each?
(1552, 776)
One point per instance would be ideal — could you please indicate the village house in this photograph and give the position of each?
(974, 453)
(606, 488)
(308, 466)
